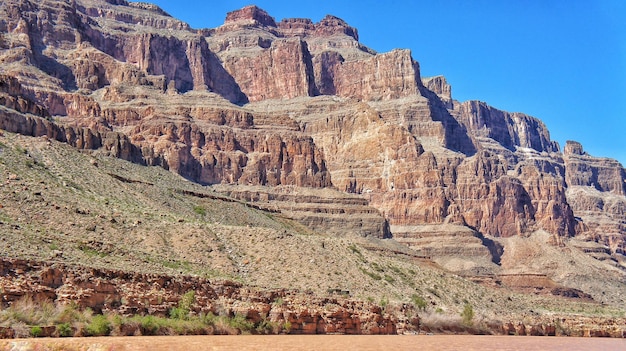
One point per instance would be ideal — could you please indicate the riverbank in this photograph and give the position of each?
(316, 342)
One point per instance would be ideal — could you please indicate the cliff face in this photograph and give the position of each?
(256, 102)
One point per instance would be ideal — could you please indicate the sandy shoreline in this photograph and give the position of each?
(316, 342)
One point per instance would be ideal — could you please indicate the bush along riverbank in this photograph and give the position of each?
(28, 318)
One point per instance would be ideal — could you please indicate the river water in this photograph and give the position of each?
(318, 342)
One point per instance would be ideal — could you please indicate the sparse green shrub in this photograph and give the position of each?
(149, 325)
(36, 331)
(396, 269)
(241, 323)
(287, 326)
(419, 302)
(29, 312)
(371, 274)
(389, 279)
(99, 326)
(184, 306)
(467, 314)
(354, 249)
(376, 267)
(21, 150)
(208, 319)
(178, 313)
(64, 330)
(265, 326)
(199, 210)
(384, 302)
(69, 313)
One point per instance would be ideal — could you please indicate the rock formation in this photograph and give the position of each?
(293, 103)
(134, 293)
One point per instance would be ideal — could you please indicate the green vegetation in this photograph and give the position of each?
(355, 250)
(64, 330)
(184, 306)
(241, 323)
(98, 326)
(31, 318)
(384, 301)
(287, 326)
(419, 302)
(266, 327)
(468, 314)
(376, 267)
(92, 252)
(36, 331)
(371, 274)
(199, 210)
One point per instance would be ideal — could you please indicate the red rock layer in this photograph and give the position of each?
(147, 87)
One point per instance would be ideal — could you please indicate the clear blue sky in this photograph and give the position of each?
(562, 61)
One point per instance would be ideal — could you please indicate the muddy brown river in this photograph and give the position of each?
(316, 342)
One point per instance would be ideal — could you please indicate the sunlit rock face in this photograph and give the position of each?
(260, 102)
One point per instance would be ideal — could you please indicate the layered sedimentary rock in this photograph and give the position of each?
(135, 293)
(260, 102)
(603, 174)
(511, 130)
(323, 210)
(596, 188)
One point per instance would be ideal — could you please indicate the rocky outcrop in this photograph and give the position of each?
(603, 174)
(282, 71)
(212, 154)
(25, 117)
(596, 188)
(328, 26)
(439, 85)
(297, 57)
(135, 293)
(510, 130)
(251, 16)
(323, 210)
(12, 97)
(386, 76)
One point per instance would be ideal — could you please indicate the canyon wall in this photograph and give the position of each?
(260, 102)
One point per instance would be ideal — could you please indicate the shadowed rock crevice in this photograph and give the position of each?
(456, 136)
(495, 248)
